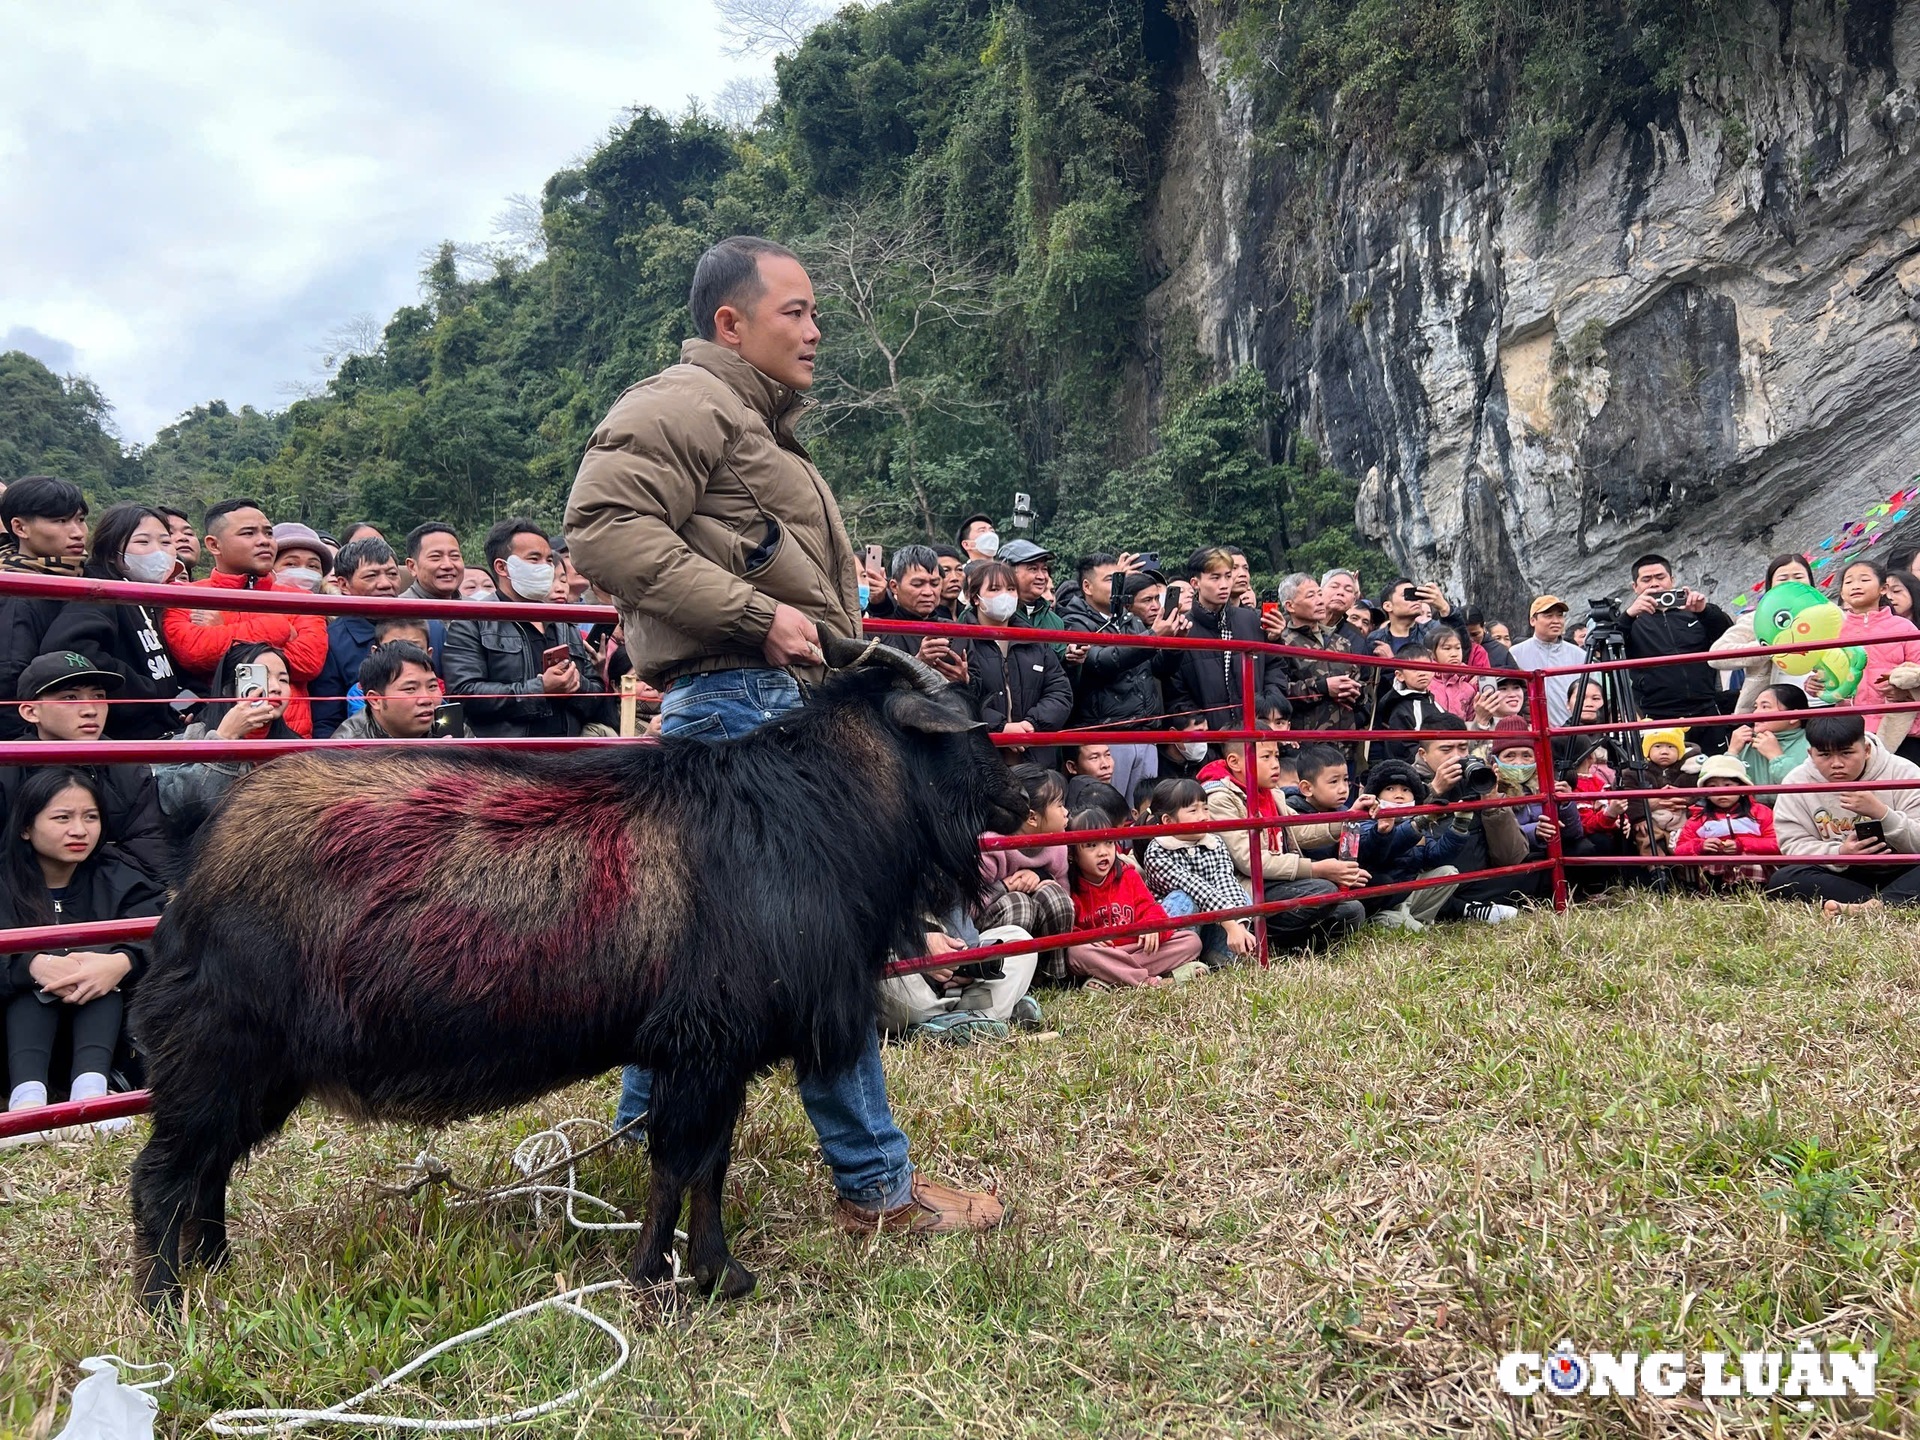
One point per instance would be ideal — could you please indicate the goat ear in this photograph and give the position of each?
(911, 710)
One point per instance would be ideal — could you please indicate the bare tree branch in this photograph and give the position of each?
(886, 283)
(520, 227)
(741, 99)
(761, 27)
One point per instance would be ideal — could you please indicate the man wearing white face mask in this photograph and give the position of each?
(497, 668)
(977, 538)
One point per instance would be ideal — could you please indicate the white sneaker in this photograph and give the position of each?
(32, 1137)
(1488, 913)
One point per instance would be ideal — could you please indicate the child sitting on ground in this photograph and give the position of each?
(1421, 847)
(1028, 887)
(1105, 892)
(1189, 873)
(1728, 821)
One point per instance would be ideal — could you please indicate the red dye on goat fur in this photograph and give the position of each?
(421, 863)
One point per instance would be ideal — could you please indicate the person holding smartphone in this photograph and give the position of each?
(252, 688)
(1848, 822)
(518, 677)
(1402, 600)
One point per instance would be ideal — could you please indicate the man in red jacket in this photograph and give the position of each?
(239, 537)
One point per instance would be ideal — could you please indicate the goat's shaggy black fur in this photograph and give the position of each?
(422, 936)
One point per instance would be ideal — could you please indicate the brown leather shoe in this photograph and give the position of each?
(933, 1209)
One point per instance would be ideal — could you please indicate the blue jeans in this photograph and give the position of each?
(858, 1139)
(1178, 903)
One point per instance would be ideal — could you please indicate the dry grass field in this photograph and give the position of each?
(1318, 1201)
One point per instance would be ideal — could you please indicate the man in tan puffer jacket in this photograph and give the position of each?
(698, 511)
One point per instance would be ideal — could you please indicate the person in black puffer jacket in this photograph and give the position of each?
(1020, 685)
(59, 873)
(131, 542)
(1118, 686)
(1209, 682)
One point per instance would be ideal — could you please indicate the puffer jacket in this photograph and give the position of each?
(1889, 642)
(126, 640)
(1116, 684)
(130, 813)
(698, 512)
(105, 886)
(492, 667)
(302, 639)
(1028, 682)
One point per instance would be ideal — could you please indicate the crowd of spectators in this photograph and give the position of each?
(99, 842)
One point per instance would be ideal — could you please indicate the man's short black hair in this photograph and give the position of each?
(169, 514)
(1442, 720)
(382, 667)
(217, 513)
(1086, 793)
(729, 274)
(500, 538)
(1087, 564)
(388, 624)
(1828, 732)
(417, 536)
(1315, 760)
(40, 497)
(913, 557)
(950, 552)
(1650, 559)
(367, 550)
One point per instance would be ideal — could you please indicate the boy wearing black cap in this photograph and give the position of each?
(63, 696)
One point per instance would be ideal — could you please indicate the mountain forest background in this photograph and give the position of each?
(967, 182)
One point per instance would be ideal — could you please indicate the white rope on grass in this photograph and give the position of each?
(538, 1155)
(271, 1421)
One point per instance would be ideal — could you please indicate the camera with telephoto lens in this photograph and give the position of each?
(1477, 779)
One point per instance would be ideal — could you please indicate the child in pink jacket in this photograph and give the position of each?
(1889, 640)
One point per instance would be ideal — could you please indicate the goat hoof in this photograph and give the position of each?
(733, 1281)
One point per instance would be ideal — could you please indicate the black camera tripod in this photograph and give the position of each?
(1606, 642)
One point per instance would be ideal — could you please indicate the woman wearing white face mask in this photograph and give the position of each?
(130, 542)
(302, 560)
(1021, 685)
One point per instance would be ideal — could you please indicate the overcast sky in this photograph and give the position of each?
(193, 196)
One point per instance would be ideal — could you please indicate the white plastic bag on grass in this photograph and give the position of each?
(106, 1408)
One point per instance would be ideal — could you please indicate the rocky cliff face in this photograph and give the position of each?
(1701, 334)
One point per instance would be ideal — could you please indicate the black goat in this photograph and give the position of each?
(422, 936)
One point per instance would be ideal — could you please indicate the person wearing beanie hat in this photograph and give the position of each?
(1675, 737)
(1416, 848)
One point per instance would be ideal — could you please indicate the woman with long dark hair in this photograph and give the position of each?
(58, 873)
(130, 542)
(1762, 671)
(190, 791)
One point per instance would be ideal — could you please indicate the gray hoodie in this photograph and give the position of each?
(1816, 824)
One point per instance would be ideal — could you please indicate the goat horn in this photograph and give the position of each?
(844, 654)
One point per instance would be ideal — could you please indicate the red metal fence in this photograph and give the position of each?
(1247, 734)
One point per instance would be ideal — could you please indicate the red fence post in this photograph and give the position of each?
(1256, 838)
(1549, 782)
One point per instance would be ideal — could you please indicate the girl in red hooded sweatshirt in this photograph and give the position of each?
(1105, 892)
